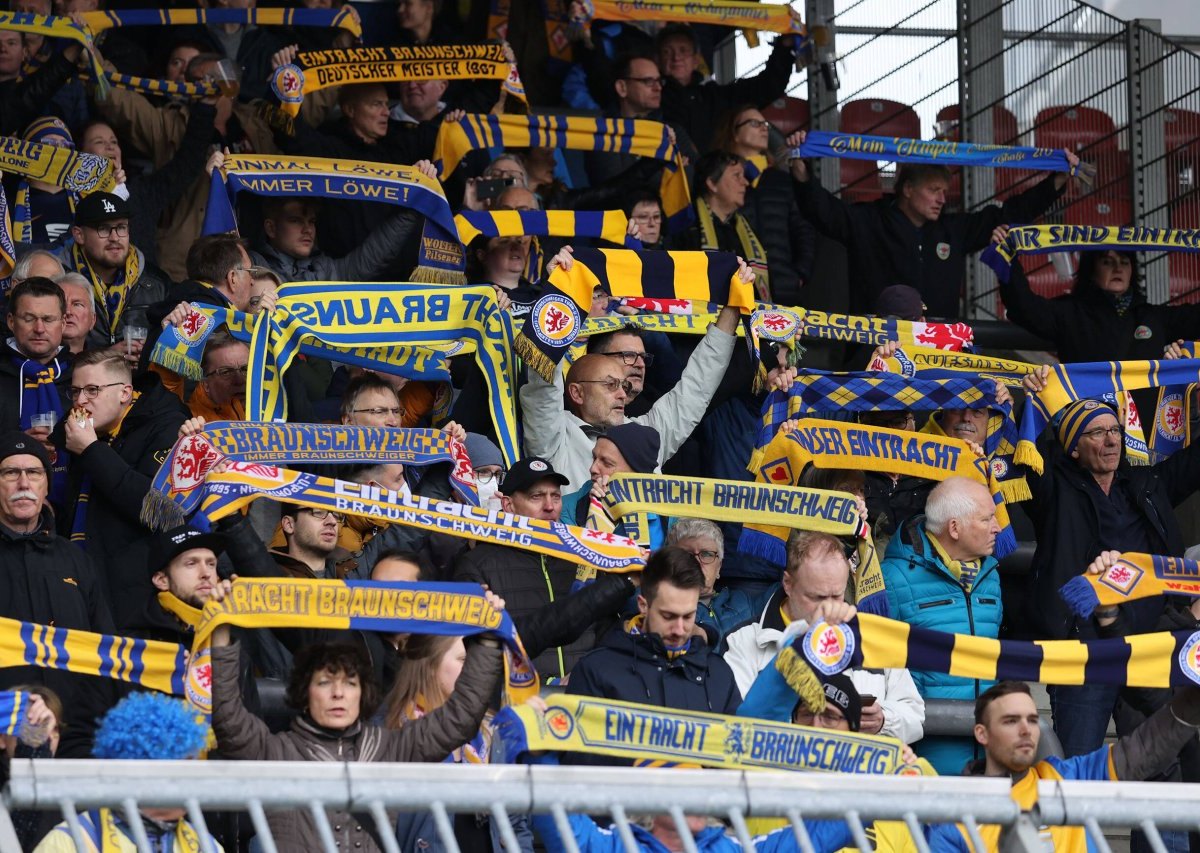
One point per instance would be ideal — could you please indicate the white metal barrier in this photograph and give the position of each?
(503, 790)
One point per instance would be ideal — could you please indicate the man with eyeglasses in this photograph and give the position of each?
(940, 573)
(638, 86)
(370, 400)
(1089, 500)
(46, 580)
(102, 253)
(814, 588)
(312, 538)
(719, 612)
(118, 433)
(597, 393)
(36, 368)
(221, 394)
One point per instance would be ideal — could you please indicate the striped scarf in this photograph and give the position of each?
(35, 383)
(930, 363)
(577, 133)
(555, 320)
(98, 22)
(57, 28)
(1094, 380)
(752, 247)
(1158, 660)
(8, 252)
(110, 298)
(635, 627)
(1131, 577)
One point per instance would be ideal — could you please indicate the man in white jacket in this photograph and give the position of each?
(817, 572)
(564, 437)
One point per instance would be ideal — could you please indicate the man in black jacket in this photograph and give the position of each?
(660, 657)
(35, 367)
(696, 105)
(118, 434)
(46, 580)
(524, 579)
(905, 238)
(1088, 500)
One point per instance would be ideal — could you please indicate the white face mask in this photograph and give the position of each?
(487, 494)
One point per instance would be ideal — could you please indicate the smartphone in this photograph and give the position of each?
(867, 700)
(488, 189)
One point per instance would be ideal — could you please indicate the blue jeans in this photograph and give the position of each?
(1081, 715)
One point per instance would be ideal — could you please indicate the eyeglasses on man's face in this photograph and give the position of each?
(107, 229)
(223, 372)
(610, 384)
(12, 475)
(322, 514)
(652, 82)
(630, 357)
(380, 411)
(91, 392)
(1100, 433)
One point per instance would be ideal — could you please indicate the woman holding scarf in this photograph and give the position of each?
(430, 669)
(770, 206)
(334, 692)
(1105, 317)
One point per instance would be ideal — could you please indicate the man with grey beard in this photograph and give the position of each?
(46, 580)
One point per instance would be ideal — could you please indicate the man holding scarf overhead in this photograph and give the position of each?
(906, 238)
(123, 282)
(1089, 500)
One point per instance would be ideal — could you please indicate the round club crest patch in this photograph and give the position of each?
(555, 320)
(1169, 419)
(538, 465)
(288, 84)
(1142, 333)
(943, 251)
(776, 325)
(559, 723)
(828, 648)
(1189, 658)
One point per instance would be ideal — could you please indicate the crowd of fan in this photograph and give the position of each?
(88, 420)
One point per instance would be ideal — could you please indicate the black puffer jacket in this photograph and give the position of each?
(635, 668)
(527, 581)
(787, 236)
(21, 101)
(118, 475)
(46, 580)
(885, 248)
(1069, 532)
(10, 384)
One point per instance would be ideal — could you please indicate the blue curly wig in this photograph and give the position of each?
(151, 725)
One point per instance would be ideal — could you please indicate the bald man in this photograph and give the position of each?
(940, 574)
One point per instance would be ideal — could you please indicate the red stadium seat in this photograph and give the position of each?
(1184, 276)
(1044, 279)
(1078, 129)
(1004, 124)
(1098, 210)
(875, 116)
(1181, 129)
(880, 118)
(860, 180)
(787, 115)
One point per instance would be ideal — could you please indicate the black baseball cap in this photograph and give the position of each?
(527, 472)
(840, 690)
(100, 207)
(167, 546)
(901, 301)
(15, 443)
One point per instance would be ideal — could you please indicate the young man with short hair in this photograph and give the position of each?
(1006, 726)
(660, 657)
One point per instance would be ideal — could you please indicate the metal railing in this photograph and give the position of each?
(256, 788)
(1049, 73)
